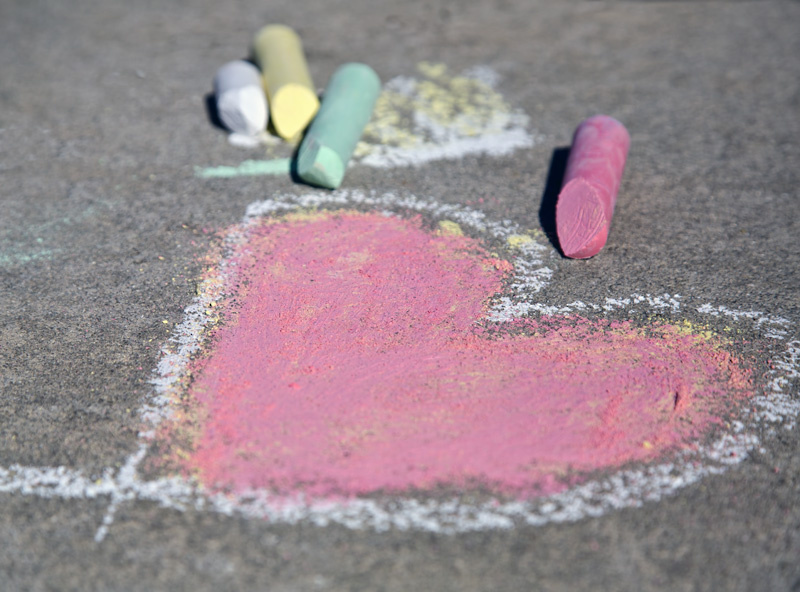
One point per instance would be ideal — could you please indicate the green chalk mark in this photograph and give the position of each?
(249, 168)
(332, 137)
(10, 259)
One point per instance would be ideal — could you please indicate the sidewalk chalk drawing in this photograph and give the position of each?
(441, 116)
(409, 376)
(356, 362)
(434, 116)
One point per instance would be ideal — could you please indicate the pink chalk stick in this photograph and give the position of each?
(594, 170)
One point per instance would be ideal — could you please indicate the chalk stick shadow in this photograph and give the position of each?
(296, 177)
(293, 165)
(293, 168)
(212, 112)
(555, 178)
(293, 162)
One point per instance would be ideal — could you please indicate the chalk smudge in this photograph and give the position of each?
(418, 120)
(248, 168)
(355, 362)
(13, 257)
(441, 116)
(23, 243)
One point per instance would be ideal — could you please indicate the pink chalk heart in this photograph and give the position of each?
(356, 358)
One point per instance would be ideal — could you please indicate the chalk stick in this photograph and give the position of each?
(332, 137)
(591, 182)
(241, 102)
(292, 96)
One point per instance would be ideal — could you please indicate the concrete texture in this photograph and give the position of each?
(103, 223)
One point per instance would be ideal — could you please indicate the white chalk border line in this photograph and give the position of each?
(533, 264)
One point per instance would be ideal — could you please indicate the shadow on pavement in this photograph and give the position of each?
(555, 178)
(212, 112)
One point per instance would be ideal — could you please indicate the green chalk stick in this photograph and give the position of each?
(333, 134)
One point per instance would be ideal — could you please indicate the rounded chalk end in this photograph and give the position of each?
(320, 165)
(293, 107)
(581, 221)
(244, 110)
(275, 31)
(367, 77)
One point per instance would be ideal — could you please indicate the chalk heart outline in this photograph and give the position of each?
(359, 359)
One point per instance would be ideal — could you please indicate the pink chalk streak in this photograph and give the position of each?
(355, 363)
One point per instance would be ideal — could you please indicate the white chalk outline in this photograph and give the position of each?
(533, 263)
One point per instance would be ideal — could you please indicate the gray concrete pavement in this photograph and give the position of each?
(104, 224)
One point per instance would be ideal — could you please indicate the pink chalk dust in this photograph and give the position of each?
(356, 361)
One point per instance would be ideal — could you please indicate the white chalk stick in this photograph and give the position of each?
(241, 102)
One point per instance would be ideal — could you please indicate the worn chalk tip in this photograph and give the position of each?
(243, 110)
(319, 165)
(293, 107)
(581, 221)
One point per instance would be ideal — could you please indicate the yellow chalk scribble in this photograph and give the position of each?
(439, 116)
(412, 112)
(450, 228)
(516, 241)
(699, 331)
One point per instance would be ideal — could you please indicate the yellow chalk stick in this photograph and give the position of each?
(292, 98)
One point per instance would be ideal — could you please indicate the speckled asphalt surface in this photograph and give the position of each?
(104, 223)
